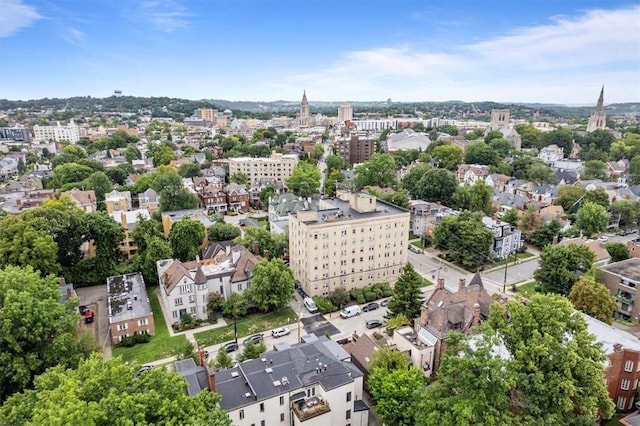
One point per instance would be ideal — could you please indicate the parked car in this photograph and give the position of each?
(230, 347)
(82, 309)
(143, 369)
(624, 232)
(603, 238)
(415, 249)
(370, 307)
(374, 323)
(385, 302)
(255, 339)
(280, 332)
(88, 317)
(350, 311)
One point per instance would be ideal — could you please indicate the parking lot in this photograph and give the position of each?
(95, 298)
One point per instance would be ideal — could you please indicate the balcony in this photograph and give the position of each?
(309, 408)
(625, 298)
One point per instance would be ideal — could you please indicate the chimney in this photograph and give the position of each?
(476, 313)
(461, 284)
(201, 356)
(424, 316)
(617, 347)
(440, 283)
(256, 248)
(211, 378)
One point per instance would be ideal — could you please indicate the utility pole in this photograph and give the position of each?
(506, 267)
(299, 320)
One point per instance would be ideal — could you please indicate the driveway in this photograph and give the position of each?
(95, 298)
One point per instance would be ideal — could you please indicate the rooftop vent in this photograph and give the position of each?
(268, 370)
(247, 395)
(284, 380)
(276, 383)
(440, 303)
(264, 360)
(234, 374)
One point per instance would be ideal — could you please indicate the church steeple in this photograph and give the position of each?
(598, 119)
(600, 105)
(304, 110)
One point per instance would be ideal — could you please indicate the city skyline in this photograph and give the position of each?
(260, 50)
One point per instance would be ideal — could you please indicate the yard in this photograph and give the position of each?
(160, 346)
(252, 324)
(512, 258)
(527, 289)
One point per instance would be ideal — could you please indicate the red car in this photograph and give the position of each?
(88, 317)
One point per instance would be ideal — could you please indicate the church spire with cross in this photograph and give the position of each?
(598, 118)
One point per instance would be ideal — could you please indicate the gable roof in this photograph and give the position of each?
(174, 273)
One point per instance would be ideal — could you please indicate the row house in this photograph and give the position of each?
(425, 215)
(128, 307)
(185, 287)
(118, 201)
(497, 181)
(469, 174)
(85, 200)
(506, 239)
(215, 197)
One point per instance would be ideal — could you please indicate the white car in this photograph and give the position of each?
(280, 332)
(603, 238)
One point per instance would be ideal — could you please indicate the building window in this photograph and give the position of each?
(622, 402)
(262, 407)
(122, 327)
(261, 422)
(282, 400)
(628, 366)
(143, 322)
(348, 396)
(348, 416)
(624, 385)
(241, 414)
(281, 417)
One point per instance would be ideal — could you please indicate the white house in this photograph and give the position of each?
(506, 240)
(550, 154)
(185, 286)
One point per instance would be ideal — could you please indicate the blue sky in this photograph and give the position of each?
(558, 51)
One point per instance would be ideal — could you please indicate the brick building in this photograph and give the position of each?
(128, 306)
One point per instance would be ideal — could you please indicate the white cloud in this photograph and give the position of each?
(564, 61)
(166, 15)
(15, 16)
(74, 36)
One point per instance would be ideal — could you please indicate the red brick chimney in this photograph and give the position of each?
(201, 356)
(440, 283)
(211, 377)
(617, 347)
(461, 284)
(256, 248)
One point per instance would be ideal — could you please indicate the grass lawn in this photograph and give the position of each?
(426, 282)
(614, 421)
(160, 346)
(256, 323)
(527, 289)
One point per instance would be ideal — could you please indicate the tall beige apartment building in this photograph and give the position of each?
(278, 166)
(352, 240)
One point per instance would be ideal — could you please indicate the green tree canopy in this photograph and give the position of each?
(561, 266)
(335, 162)
(100, 183)
(407, 294)
(110, 392)
(189, 170)
(304, 180)
(436, 185)
(185, 237)
(448, 156)
(239, 178)
(598, 196)
(465, 238)
(476, 197)
(568, 195)
(275, 244)
(272, 285)
(221, 231)
(481, 153)
(36, 330)
(380, 171)
(540, 173)
(546, 233)
(618, 251)
(593, 298)
(594, 169)
(22, 244)
(592, 218)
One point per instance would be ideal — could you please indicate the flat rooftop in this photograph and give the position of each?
(332, 210)
(128, 298)
(629, 268)
(198, 214)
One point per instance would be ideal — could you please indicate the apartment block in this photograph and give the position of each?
(118, 201)
(310, 383)
(278, 166)
(128, 220)
(345, 112)
(622, 279)
(15, 134)
(356, 149)
(352, 240)
(129, 308)
(57, 133)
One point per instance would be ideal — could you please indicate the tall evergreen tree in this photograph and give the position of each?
(407, 294)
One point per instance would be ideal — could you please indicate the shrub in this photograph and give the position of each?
(370, 296)
(324, 305)
(360, 298)
(354, 293)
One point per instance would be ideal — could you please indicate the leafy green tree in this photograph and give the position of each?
(272, 285)
(546, 233)
(331, 183)
(475, 198)
(511, 216)
(252, 351)
(407, 294)
(318, 151)
(634, 170)
(36, 330)
(69, 173)
(275, 244)
(395, 390)
(117, 175)
(100, 183)
(23, 245)
(597, 196)
(594, 169)
(593, 298)
(221, 231)
(163, 156)
(239, 178)
(618, 251)
(110, 392)
(335, 162)
(144, 231)
(592, 218)
(380, 171)
(410, 181)
(448, 156)
(265, 194)
(626, 211)
(531, 137)
(540, 173)
(223, 359)
(556, 361)
(561, 266)
(437, 185)
(189, 170)
(304, 180)
(530, 222)
(235, 306)
(568, 195)
(481, 153)
(563, 137)
(465, 238)
(472, 386)
(132, 153)
(156, 249)
(501, 146)
(448, 129)
(186, 236)
(214, 303)
(491, 135)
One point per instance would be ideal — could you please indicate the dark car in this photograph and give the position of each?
(370, 307)
(82, 309)
(628, 231)
(144, 368)
(374, 323)
(255, 339)
(230, 347)
(385, 302)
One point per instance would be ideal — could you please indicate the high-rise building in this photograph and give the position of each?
(598, 118)
(345, 113)
(206, 114)
(16, 134)
(278, 167)
(352, 240)
(356, 149)
(57, 133)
